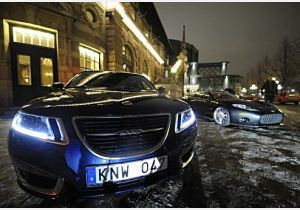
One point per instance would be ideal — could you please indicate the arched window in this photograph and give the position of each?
(127, 59)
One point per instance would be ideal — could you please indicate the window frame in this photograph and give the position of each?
(85, 59)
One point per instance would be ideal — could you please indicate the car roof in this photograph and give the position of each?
(112, 72)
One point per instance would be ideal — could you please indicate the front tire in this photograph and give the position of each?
(222, 116)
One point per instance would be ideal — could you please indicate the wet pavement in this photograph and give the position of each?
(232, 167)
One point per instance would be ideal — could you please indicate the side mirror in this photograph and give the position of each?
(57, 86)
(162, 91)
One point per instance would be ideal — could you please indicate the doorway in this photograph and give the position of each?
(34, 69)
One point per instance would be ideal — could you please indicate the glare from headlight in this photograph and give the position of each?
(245, 107)
(38, 127)
(184, 120)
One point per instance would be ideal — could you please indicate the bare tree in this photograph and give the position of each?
(286, 67)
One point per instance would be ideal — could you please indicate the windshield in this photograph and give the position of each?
(111, 81)
(224, 96)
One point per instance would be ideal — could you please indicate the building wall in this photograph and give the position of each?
(70, 30)
(192, 51)
(72, 26)
(140, 54)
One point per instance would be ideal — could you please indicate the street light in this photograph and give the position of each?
(277, 82)
(244, 90)
(253, 87)
(279, 87)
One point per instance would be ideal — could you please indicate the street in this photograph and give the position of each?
(232, 167)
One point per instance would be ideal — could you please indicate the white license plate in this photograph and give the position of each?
(97, 175)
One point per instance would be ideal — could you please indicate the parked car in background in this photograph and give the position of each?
(251, 97)
(228, 109)
(284, 98)
(102, 132)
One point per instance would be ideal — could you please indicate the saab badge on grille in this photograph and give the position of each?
(273, 111)
(130, 132)
(127, 103)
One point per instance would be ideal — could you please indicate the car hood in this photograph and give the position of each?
(75, 101)
(259, 105)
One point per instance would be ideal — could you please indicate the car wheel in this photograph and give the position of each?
(222, 116)
(297, 102)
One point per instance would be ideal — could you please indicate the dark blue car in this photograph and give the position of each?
(228, 109)
(101, 132)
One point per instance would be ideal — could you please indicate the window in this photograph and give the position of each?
(89, 59)
(90, 16)
(33, 37)
(46, 65)
(127, 59)
(166, 73)
(24, 70)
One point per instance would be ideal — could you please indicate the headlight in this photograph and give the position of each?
(243, 106)
(184, 120)
(43, 128)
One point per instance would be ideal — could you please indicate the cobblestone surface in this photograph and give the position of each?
(233, 167)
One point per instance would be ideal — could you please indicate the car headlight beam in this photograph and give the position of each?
(245, 107)
(184, 120)
(39, 127)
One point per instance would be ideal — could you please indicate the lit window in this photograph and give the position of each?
(24, 70)
(46, 71)
(33, 37)
(166, 73)
(127, 59)
(89, 59)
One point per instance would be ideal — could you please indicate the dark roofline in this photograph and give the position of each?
(176, 40)
(148, 9)
(212, 64)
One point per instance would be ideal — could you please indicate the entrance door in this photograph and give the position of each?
(34, 69)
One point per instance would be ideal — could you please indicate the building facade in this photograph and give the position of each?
(211, 76)
(42, 43)
(192, 51)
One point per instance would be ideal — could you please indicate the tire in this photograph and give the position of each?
(297, 102)
(222, 116)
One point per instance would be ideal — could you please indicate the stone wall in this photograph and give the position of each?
(118, 34)
(107, 33)
(67, 19)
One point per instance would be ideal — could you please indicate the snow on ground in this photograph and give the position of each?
(232, 167)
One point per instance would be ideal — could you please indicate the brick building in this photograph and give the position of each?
(41, 43)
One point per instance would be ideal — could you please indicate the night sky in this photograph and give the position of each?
(242, 33)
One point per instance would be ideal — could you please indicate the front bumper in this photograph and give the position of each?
(49, 170)
(248, 118)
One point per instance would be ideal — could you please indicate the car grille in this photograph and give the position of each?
(123, 136)
(271, 119)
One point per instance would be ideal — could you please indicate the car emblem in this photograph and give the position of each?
(130, 132)
(127, 103)
(272, 110)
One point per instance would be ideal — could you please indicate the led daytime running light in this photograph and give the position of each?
(16, 126)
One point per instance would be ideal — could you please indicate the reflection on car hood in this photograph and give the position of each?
(85, 97)
(90, 100)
